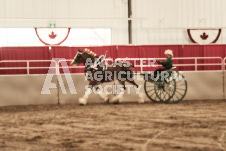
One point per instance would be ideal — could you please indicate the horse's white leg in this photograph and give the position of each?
(140, 93)
(118, 97)
(141, 97)
(104, 96)
(83, 100)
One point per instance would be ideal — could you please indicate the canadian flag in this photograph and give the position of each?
(204, 36)
(52, 36)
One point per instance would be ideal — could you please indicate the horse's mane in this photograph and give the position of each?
(90, 53)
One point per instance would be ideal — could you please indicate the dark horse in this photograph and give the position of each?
(99, 72)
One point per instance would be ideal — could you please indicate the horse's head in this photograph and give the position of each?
(78, 58)
(81, 57)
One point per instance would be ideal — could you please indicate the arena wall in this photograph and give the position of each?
(204, 85)
(25, 90)
(201, 85)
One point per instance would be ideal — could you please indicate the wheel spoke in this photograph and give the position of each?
(168, 93)
(160, 93)
(152, 93)
(155, 97)
(176, 96)
(165, 96)
(150, 90)
(179, 93)
(181, 85)
(150, 86)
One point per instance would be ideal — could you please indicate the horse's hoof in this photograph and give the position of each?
(116, 102)
(141, 101)
(107, 101)
(82, 101)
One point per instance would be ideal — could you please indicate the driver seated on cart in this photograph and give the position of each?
(167, 65)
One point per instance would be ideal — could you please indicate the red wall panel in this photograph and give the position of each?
(24, 53)
(143, 51)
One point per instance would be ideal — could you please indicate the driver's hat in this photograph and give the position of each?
(169, 52)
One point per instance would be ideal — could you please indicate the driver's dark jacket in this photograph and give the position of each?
(167, 64)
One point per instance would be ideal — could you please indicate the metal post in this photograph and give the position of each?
(58, 92)
(223, 68)
(58, 87)
(195, 64)
(28, 68)
(141, 65)
(130, 21)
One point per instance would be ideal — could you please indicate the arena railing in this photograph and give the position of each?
(139, 63)
(223, 68)
(195, 64)
(77, 66)
(224, 63)
(28, 67)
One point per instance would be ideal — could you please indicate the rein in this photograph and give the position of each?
(97, 61)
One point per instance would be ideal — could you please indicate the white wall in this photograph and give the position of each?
(67, 13)
(167, 20)
(154, 17)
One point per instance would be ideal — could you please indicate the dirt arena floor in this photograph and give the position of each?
(189, 125)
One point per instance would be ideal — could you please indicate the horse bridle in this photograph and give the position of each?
(93, 66)
(78, 53)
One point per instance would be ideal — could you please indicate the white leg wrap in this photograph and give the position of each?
(141, 97)
(83, 100)
(104, 95)
(118, 98)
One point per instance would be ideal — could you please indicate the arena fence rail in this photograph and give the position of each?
(139, 64)
(28, 67)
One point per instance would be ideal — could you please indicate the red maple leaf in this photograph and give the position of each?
(52, 35)
(204, 36)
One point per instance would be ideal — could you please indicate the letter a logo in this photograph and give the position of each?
(48, 84)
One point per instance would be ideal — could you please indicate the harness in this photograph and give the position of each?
(99, 62)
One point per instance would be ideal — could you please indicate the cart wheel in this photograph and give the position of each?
(161, 90)
(149, 88)
(165, 89)
(181, 88)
